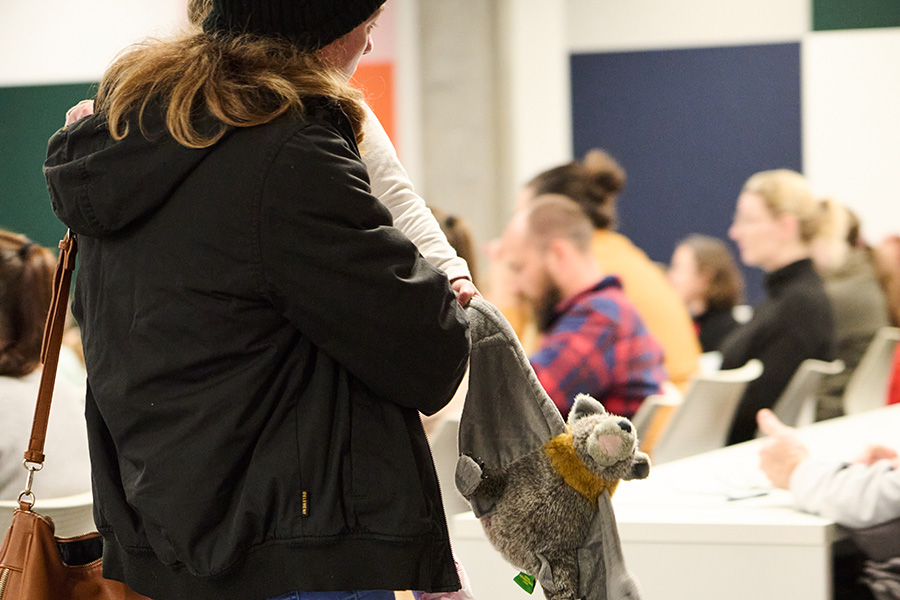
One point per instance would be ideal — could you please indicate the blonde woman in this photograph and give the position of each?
(774, 225)
(259, 339)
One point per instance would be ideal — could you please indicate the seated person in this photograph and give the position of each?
(26, 288)
(704, 274)
(774, 224)
(857, 300)
(594, 340)
(595, 183)
(858, 494)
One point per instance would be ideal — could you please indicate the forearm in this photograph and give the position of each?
(393, 188)
(854, 495)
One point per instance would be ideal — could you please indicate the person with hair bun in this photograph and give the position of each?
(594, 341)
(706, 276)
(594, 184)
(774, 225)
(26, 288)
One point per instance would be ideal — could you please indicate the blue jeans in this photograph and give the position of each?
(364, 595)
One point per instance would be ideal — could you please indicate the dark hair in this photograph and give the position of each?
(460, 237)
(593, 183)
(26, 288)
(726, 285)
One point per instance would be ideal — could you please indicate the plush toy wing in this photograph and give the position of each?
(507, 413)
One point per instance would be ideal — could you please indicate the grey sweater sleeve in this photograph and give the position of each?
(854, 496)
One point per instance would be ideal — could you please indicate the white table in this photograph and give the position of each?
(685, 535)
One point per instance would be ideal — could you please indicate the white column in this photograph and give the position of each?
(535, 95)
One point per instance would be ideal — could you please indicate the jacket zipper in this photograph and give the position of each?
(4, 578)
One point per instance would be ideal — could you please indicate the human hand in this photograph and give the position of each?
(83, 109)
(465, 290)
(782, 450)
(875, 452)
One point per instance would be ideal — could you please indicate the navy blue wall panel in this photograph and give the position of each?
(689, 126)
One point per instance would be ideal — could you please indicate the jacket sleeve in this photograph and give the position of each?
(350, 282)
(854, 496)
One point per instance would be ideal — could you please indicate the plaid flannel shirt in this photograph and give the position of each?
(598, 345)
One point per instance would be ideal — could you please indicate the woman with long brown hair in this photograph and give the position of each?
(26, 287)
(259, 339)
(704, 273)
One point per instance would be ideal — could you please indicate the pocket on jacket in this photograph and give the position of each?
(387, 471)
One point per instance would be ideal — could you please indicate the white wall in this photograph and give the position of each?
(62, 41)
(536, 95)
(518, 71)
(614, 25)
(851, 122)
(850, 83)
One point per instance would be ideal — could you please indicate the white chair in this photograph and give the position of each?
(72, 515)
(797, 404)
(704, 418)
(653, 408)
(710, 362)
(445, 452)
(645, 413)
(867, 387)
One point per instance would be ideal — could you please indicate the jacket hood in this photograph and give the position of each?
(99, 186)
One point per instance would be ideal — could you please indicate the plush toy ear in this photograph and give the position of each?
(640, 467)
(585, 406)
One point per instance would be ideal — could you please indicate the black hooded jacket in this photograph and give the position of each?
(259, 341)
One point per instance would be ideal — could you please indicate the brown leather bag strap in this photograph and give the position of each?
(53, 334)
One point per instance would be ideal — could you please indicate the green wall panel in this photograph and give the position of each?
(30, 116)
(855, 14)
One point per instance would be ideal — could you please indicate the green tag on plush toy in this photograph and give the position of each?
(525, 581)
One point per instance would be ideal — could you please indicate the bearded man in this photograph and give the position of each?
(594, 341)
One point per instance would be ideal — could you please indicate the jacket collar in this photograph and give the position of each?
(608, 282)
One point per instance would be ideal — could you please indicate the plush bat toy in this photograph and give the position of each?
(540, 488)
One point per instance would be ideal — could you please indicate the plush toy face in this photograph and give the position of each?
(607, 444)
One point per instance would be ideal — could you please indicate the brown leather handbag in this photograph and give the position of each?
(34, 564)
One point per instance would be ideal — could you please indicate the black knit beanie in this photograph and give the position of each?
(310, 24)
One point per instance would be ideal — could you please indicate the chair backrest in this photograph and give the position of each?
(704, 418)
(867, 387)
(710, 362)
(643, 417)
(444, 450)
(796, 406)
(72, 515)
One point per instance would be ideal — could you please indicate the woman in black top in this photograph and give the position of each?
(775, 221)
(704, 273)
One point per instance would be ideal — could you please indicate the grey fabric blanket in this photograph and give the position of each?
(507, 415)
